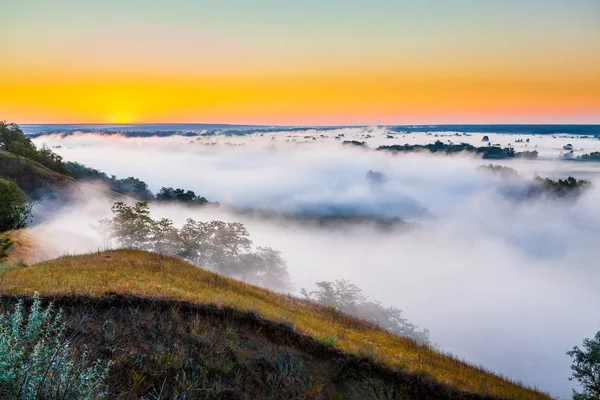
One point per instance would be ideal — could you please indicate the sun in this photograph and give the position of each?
(121, 117)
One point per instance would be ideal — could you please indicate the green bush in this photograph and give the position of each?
(39, 361)
(14, 210)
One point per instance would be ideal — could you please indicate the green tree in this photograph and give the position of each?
(131, 186)
(14, 209)
(216, 245)
(13, 140)
(131, 226)
(224, 247)
(180, 195)
(165, 237)
(586, 368)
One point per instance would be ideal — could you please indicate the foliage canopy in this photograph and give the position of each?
(13, 140)
(14, 210)
(586, 368)
(224, 247)
(349, 298)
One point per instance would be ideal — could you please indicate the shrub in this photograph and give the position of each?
(14, 210)
(289, 363)
(38, 360)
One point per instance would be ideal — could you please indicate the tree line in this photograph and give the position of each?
(224, 247)
(486, 152)
(350, 299)
(14, 141)
(570, 187)
(593, 156)
(134, 187)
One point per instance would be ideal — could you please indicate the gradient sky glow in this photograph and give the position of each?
(300, 62)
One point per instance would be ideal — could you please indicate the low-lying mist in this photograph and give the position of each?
(499, 280)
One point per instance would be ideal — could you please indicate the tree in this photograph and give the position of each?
(220, 245)
(265, 267)
(165, 237)
(349, 298)
(14, 210)
(528, 155)
(131, 226)
(224, 247)
(13, 140)
(586, 368)
(131, 186)
(340, 294)
(179, 195)
(560, 188)
(593, 156)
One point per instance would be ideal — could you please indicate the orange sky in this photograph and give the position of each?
(363, 67)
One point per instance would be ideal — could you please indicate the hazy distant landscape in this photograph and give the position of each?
(476, 258)
(307, 200)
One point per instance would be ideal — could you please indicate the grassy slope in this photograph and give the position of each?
(38, 181)
(26, 249)
(139, 273)
(32, 177)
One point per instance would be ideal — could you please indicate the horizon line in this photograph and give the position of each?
(321, 126)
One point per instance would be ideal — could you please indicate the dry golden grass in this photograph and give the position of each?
(145, 274)
(26, 249)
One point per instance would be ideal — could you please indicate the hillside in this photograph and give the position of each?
(27, 248)
(33, 178)
(38, 181)
(161, 317)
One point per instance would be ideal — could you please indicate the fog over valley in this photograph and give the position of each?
(501, 273)
(300, 200)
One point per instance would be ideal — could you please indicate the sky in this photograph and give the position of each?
(310, 62)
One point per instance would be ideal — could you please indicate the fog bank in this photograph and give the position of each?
(502, 282)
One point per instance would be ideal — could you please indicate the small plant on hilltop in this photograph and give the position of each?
(38, 361)
(586, 368)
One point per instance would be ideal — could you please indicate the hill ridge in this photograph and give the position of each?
(134, 272)
(414, 384)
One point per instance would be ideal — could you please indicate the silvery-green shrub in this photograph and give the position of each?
(38, 359)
